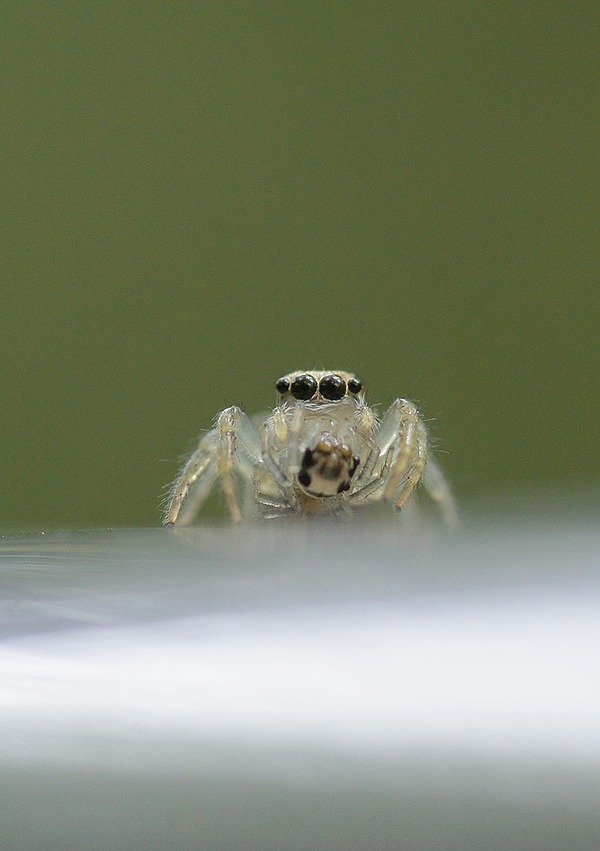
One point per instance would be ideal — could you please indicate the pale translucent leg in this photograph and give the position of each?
(365, 470)
(272, 507)
(398, 415)
(402, 425)
(231, 445)
(372, 481)
(193, 483)
(417, 466)
(439, 490)
(268, 457)
(279, 431)
(227, 425)
(413, 461)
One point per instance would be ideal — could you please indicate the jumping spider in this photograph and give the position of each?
(321, 449)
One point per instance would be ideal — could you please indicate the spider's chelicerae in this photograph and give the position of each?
(322, 449)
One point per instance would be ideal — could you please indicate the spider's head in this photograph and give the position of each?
(319, 387)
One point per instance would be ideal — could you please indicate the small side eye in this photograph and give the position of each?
(354, 385)
(304, 387)
(332, 387)
(282, 385)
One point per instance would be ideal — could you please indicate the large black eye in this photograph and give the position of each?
(355, 385)
(304, 387)
(282, 385)
(332, 387)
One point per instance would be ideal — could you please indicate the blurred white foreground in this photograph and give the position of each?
(302, 686)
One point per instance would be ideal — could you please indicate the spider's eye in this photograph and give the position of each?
(355, 385)
(304, 387)
(282, 385)
(332, 387)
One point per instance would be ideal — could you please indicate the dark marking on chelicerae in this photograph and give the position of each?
(304, 478)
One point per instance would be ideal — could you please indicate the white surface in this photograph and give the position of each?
(334, 658)
(515, 676)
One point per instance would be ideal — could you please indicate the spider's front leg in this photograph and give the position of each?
(232, 446)
(403, 433)
(193, 484)
(280, 448)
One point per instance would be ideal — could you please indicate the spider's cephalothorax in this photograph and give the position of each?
(321, 449)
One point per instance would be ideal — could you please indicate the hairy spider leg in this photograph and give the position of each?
(278, 430)
(366, 468)
(417, 465)
(402, 427)
(375, 482)
(233, 445)
(193, 483)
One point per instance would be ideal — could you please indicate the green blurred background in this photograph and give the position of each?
(199, 197)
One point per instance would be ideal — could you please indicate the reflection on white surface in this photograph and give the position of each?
(395, 674)
(517, 676)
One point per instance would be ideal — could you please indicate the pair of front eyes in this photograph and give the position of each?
(331, 387)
